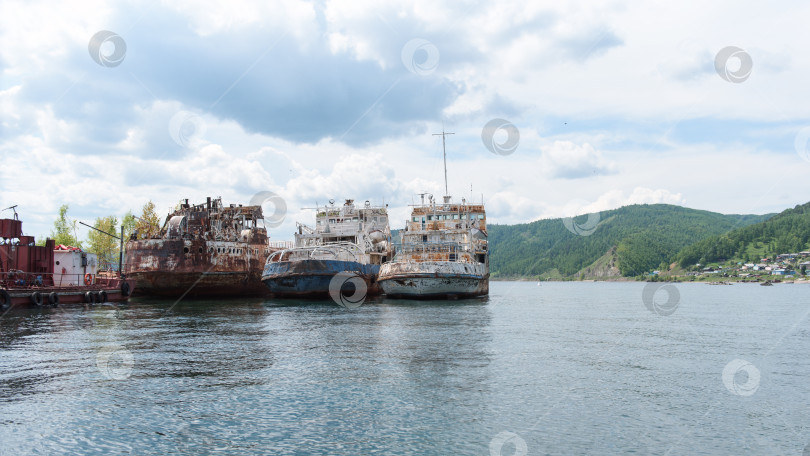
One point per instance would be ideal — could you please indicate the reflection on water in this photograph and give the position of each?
(557, 368)
(231, 374)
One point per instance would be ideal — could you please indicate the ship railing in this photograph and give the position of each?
(281, 244)
(21, 279)
(348, 250)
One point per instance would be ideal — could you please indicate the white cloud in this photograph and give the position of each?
(564, 159)
(614, 105)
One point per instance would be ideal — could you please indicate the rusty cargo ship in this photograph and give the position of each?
(443, 253)
(348, 239)
(50, 275)
(204, 250)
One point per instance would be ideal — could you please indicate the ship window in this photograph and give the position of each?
(455, 216)
(452, 257)
(416, 219)
(199, 249)
(185, 249)
(57, 263)
(424, 238)
(210, 250)
(355, 219)
(430, 217)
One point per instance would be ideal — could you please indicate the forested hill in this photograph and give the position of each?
(637, 239)
(786, 232)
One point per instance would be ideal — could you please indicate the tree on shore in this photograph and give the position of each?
(64, 229)
(105, 247)
(130, 223)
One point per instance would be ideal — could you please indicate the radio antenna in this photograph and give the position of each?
(443, 134)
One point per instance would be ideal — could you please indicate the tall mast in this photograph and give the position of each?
(444, 151)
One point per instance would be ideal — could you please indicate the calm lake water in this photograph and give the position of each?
(554, 368)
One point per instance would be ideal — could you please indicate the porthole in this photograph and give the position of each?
(185, 249)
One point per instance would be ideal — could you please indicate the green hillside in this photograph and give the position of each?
(644, 237)
(786, 232)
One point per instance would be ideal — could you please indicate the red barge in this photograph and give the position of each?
(46, 276)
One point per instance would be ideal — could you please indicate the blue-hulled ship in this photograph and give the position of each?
(351, 239)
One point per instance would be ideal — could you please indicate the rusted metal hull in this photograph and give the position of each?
(312, 278)
(197, 284)
(434, 280)
(172, 268)
(104, 290)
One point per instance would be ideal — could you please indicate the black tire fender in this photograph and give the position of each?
(5, 299)
(36, 298)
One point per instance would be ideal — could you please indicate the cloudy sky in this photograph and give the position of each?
(556, 107)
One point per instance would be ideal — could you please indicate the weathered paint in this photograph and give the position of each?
(113, 287)
(344, 239)
(311, 278)
(434, 279)
(205, 250)
(27, 274)
(171, 268)
(443, 254)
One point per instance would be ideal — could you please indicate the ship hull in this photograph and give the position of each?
(102, 291)
(197, 284)
(434, 280)
(312, 278)
(175, 268)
